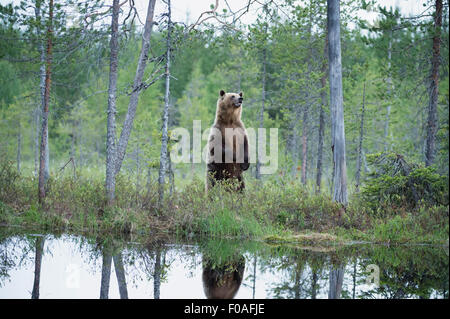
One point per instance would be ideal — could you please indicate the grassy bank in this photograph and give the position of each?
(273, 211)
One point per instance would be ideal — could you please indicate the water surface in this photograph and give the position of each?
(34, 265)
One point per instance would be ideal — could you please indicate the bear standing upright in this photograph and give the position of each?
(227, 143)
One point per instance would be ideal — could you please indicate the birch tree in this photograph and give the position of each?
(111, 111)
(163, 162)
(137, 87)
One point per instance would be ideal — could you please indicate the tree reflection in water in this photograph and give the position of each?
(37, 266)
(107, 258)
(273, 271)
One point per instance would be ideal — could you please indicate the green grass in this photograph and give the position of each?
(273, 210)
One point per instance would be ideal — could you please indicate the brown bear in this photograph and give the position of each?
(227, 156)
(222, 281)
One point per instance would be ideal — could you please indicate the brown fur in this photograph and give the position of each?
(228, 115)
(222, 281)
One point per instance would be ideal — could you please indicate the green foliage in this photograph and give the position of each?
(401, 183)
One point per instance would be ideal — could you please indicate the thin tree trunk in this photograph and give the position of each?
(43, 158)
(432, 122)
(336, 103)
(294, 142)
(149, 172)
(37, 267)
(137, 87)
(297, 286)
(354, 280)
(171, 174)
(336, 280)
(389, 93)
(19, 144)
(111, 124)
(138, 168)
(72, 144)
(307, 106)
(323, 96)
(157, 274)
(314, 285)
(40, 108)
(165, 118)
(254, 278)
(361, 136)
(304, 144)
(261, 114)
(36, 140)
(106, 274)
(366, 167)
(120, 274)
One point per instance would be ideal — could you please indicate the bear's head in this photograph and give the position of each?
(228, 100)
(229, 106)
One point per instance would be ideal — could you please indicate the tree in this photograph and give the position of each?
(322, 105)
(260, 38)
(40, 240)
(336, 103)
(40, 108)
(111, 121)
(361, 136)
(432, 122)
(137, 87)
(164, 155)
(44, 132)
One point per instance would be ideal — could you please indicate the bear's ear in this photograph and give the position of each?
(241, 94)
(222, 93)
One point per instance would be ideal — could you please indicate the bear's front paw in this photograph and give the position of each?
(244, 166)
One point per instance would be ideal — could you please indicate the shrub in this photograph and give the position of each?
(401, 183)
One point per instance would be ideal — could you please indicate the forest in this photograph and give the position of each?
(91, 91)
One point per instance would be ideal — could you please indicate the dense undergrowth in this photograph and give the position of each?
(271, 209)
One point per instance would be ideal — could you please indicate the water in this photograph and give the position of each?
(69, 266)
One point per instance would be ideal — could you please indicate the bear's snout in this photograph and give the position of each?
(238, 102)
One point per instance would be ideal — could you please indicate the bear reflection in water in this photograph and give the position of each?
(222, 281)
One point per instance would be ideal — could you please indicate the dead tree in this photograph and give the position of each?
(336, 103)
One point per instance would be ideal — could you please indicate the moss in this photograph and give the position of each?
(307, 238)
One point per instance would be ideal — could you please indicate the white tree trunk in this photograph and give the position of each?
(163, 162)
(111, 124)
(137, 86)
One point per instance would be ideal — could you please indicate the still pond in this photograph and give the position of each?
(36, 265)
